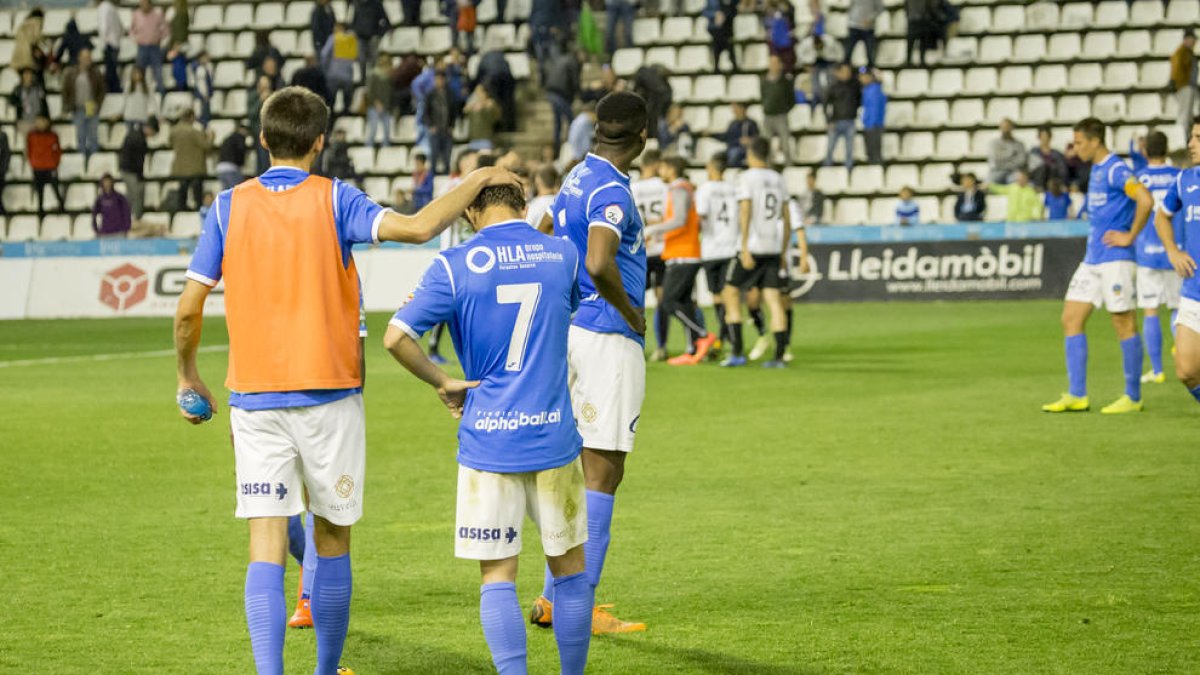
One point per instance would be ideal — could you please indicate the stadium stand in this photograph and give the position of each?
(1034, 62)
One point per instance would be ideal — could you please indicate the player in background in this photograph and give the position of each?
(1118, 207)
(650, 193)
(1183, 199)
(1157, 282)
(518, 449)
(467, 162)
(282, 243)
(800, 234)
(680, 231)
(596, 212)
(764, 236)
(545, 185)
(716, 202)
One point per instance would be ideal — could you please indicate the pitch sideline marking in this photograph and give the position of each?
(83, 358)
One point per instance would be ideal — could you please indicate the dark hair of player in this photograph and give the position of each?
(485, 159)
(620, 120)
(509, 196)
(719, 161)
(293, 118)
(1156, 145)
(760, 147)
(547, 175)
(1091, 128)
(677, 164)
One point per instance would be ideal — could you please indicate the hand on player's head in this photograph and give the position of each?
(494, 175)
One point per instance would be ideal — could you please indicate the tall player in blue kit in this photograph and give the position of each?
(1157, 282)
(1183, 199)
(1119, 207)
(507, 296)
(596, 212)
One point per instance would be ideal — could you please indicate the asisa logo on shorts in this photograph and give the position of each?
(264, 490)
(487, 534)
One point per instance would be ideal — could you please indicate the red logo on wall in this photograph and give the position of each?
(123, 287)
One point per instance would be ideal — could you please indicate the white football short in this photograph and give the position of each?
(608, 385)
(1107, 284)
(492, 509)
(1189, 315)
(1158, 287)
(281, 452)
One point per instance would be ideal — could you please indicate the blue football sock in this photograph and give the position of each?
(266, 616)
(309, 571)
(1195, 392)
(331, 610)
(1077, 354)
(573, 621)
(662, 322)
(296, 539)
(504, 627)
(599, 517)
(1152, 332)
(548, 586)
(1131, 356)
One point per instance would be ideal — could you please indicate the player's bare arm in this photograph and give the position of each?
(442, 212)
(404, 349)
(1145, 206)
(546, 224)
(601, 264)
(680, 205)
(189, 318)
(1183, 263)
(746, 208)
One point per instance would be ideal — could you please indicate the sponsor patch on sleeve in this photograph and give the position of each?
(614, 214)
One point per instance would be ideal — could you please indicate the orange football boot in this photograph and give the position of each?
(604, 623)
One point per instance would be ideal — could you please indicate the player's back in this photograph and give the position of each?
(765, 190)
(596, 194)
(514, 292)
(1150, 251)
(716, 202)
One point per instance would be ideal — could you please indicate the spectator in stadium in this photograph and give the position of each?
(378, 100)
(260, 93)
(874, 113)
(1024, 203)
(422, 181)
(650, 82)
(597, 88)
(421, 87)
(1183, 79)
(312, 78)
(546, 183)
(139, 103)
(675, 134)
(924, 28)
(402, 79)
(582, 134)
(83, 93)
(546, 27)
(202, 85)
(483, 114)
(321, 24)
(1056, 200)
(28, 98)
(780, 38)
(462, 18)
(971, 204)
(1046, 163)
(402, 201)
(263, 49)
(495, 74)
(131, 162)
(110, 33)
(1006, 156)
(411, 10)
(721, 14)
(189, 164)
(180, 24)
(455, 65)
(337, 58)
(819, 55)
(149, 30)
(439, 119)
(778, 98)
(111, 215)
(5, 162)
(741, 132)
(43, 152)
(861, 17)
(30, 48)
(562, 86)
(908, 212)
(841, 112)
(811, 201)
(619, 15)
(370, 24)
(178, 58)
(71, 43)
(336, 161)
(206, 204)
(270, 70)
(231, 156)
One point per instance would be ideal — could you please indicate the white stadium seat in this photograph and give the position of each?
(1154, 74)
(915, 146)
(694, 59)
(1099, 45)
(932, 113)
(646, 32)
(81, 228)
(186, 225)
(392, 160)
(1109, 107)
(865, 180)
(80, 196)
(899, 114)
(900, 175)
(207, 17)
(1063, 47)
(754, 57)
(681, 88)
(1007, 19)
(1120, 76)
(625, 62)
(1085, 77)
(1048, 79)
(1148, 12)
(981, 141)
(995, 49)
(661, 56)
(268, 14)
(708, 88)
(1182, 13)
(1134, 44)
(1111, 14)
(912, 80)
(1037, 110)
(1165, 42)
(56, 228)
(935, 176)
(1075, 15)
(744, 88)
(1041, 16)
(1146, 107)
(883, 211)
(966, 112)
(677, 30)
(55, 21)
(1015, 80)
(23, 228)
(299, 14)
(832, 179)
(1000, 108)
(974, 20)
(1072, 108)
(980, 81)
(1029, 48)
(747, 27)
(70, 166)
(952, 145)
(851, 211)
(239, 15)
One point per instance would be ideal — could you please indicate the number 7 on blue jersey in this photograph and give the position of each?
(527, 296)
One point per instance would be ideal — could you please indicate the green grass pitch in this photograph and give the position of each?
(892, 503)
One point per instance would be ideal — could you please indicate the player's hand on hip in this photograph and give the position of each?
(747, 260)
(1118, 238)
(454, 394)
(197, 385)
(1183, 263)
(637, 321)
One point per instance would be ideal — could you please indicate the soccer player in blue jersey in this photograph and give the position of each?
(1119, 207)
(1157, 282)
(595, 210)
(1182, 200)
(507, 296)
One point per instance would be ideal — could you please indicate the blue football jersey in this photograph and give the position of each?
(596, 194)
(1183, 202)
(507, 296)
(1150, 251)
(1109, 208)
